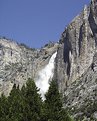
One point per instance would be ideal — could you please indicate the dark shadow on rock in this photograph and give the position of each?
(80, 38)
(93, 25)
(67, 49)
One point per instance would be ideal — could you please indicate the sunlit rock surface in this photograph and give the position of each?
(74, 65)
(18, 63)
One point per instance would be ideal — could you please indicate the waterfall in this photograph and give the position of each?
(45, 75)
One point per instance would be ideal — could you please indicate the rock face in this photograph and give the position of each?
(75, 64)
(79, 45)
(18, 63)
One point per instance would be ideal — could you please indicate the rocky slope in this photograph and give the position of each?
(75, 63)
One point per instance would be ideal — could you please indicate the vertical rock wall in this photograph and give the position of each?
(77, 47)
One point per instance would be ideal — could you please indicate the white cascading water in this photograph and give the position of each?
(45, 75)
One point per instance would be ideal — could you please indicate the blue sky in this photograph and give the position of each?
(36, 22)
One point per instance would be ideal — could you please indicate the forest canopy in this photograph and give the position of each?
(26, 104)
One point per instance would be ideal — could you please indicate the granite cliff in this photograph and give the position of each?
(18, 62)
(75, 63)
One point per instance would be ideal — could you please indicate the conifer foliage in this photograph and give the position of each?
(33, 103)
(53, 105)
(25, 104)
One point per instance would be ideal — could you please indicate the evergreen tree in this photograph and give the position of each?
(3, 108)
(33, 102)
(26, 104)
(53, 105)
(15, 103)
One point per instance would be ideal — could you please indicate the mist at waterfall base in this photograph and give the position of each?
(45, 75)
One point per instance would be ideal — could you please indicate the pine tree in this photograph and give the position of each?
(26, 104)
(53, 105)
(15, 103)
(33, 102)
(3, 108)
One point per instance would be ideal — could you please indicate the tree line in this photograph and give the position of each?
(26, 104)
